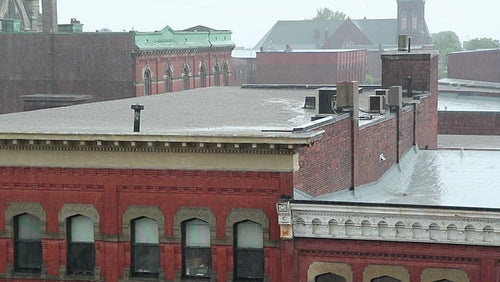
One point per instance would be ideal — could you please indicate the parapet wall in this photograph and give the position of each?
(469, 123)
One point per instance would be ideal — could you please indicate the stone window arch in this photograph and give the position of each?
(366, 229)
(319, 268)
(69, 210)
(397, 272)
(18, 208)
(133, 212)
(443, 274)
(333, 227)
(316, 226)
(187, 213)
(255, 215)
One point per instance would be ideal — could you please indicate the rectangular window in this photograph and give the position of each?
(145, 248)
(81, 249)
(28, 245)
(196, 252)
(249, 252)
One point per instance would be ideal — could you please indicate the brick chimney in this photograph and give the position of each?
(49, 15)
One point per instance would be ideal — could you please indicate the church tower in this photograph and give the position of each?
(411, 21)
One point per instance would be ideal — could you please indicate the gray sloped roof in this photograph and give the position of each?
(379, 31)
(298, 34)
(310, 34)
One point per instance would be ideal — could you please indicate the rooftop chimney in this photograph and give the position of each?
(49, 11)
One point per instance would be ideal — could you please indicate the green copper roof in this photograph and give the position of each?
(195, 37)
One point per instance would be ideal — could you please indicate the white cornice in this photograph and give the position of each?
(390, 223)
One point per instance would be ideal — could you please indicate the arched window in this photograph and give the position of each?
(145, 251)
(225, 75)
(329, 277)
(216, 75)
(81, 249)
(168, 81)
(248, 251)
(385, 279)
(196, 252)
(27, 244)
(203, 76)
(147, 82)
(185, 77)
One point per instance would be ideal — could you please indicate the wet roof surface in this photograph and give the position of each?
(458, 102)
(459, 178)
(204, 111)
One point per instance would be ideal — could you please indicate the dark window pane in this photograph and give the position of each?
(28, 256)
(197, 262)
(81, 258)
(249, 263)
(385, 279)
(329, 277)
(146, 260)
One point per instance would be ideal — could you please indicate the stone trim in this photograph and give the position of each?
(434, 274)
(187, 213)
(17, 208)
(255, 215)
(134, 212)
(318, 268)
(405, 224)
(88, 210)
(374, 271)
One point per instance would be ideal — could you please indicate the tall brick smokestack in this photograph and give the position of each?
(49, 11)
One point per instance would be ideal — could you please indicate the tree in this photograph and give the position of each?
(446, 42)
(328, 14)
(480, 43)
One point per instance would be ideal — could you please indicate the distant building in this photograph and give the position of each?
(311, 67)
(21, 15)
(480, 65)
(109, 65)
(244, 67)
(373, 35)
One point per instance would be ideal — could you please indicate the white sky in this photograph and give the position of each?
(251, 19)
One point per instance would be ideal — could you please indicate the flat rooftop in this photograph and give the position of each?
(453, 178)
(204, 111)
(468, 102)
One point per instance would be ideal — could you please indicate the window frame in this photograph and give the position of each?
(202, 249)
(31, 244)
(133, 249)
(71, 246)
(245, 252)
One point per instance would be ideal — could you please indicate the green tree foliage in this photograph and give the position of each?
(446, 42)
(328, 14)
(480, 43)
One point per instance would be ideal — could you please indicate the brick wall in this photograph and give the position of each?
(469, 123)
(358, 255)
(326, 166)
(310, 68)
(176, 60)
(97, 64)
(112, 191)
(479, 65)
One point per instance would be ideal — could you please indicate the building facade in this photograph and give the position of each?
(478, 65)
(311, 67)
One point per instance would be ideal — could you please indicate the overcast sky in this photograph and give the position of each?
(251, 19)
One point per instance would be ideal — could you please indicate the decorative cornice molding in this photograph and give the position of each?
(402, 224)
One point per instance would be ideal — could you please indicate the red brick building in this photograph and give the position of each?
(202, 190)
(109, 65)
(480, 65)
(311, 67)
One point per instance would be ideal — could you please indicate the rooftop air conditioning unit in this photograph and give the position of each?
(376, 103)
(326, 102)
